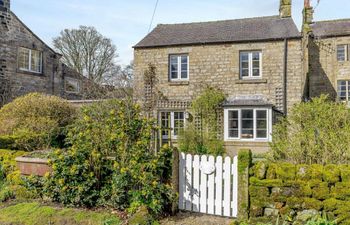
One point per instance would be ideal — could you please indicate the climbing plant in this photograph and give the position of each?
(201, 135)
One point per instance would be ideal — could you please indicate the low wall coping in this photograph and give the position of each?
(32, 160)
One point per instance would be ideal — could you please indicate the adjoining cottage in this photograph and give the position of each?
(27, 64)
(261, 64)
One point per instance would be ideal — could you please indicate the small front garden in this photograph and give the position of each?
(101, 158)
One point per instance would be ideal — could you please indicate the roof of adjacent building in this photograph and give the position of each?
(331, 28)
(226, 31)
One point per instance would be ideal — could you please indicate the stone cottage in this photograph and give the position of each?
(263, 65)
(27, 64)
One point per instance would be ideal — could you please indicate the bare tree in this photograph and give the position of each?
(87, 51)
(120, 80)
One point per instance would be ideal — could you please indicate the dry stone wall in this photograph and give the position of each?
(299, 191)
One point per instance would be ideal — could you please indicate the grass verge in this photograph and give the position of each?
(37, 214)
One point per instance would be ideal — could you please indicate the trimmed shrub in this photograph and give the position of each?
(35, 121)
(313, 132)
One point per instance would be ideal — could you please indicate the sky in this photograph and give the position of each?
(126, 22)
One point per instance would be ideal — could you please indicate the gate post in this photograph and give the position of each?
(244, 163)
(175, 179)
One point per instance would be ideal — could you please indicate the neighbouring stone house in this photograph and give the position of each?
(27, 64)
(263, 65)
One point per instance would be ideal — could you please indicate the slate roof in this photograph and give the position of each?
(331, 28)
(226, 31)
(254, 100)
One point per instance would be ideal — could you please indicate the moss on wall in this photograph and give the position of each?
(296, 189)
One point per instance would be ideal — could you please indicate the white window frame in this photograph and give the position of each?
(179, 65)
(347, 96)
(172, 123)
(346, 57)
(67, 79)
(250, 64)
(254, 139)
(30, 61)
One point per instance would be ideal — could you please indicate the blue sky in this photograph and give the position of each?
(127, 21)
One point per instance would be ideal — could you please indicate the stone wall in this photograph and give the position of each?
(299, 191)
(325, 70)
(16, 34)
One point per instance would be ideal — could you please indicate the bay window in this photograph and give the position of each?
(172, 123)
(29, 60)
(247, 124)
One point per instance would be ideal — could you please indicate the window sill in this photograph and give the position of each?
(29, 72)
(178, 83)
(251, 81)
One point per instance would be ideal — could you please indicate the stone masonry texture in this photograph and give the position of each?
(218, 66)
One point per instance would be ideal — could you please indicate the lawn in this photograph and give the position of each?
(38, 214)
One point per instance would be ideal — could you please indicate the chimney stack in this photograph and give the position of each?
(285, 8)
(308, 14)
(5, 15)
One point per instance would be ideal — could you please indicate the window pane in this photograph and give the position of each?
(244, 56)
(341, 51)
(256, 72)
(184, 59)
(233, 124)
(173, 67)
(261, 133)
(179, 122)
(72, 85)
(36, 61)
(256, 56)
(247, 114)
(342, 89)
(165, 123)
(261, 114)
(23, 59)
(245, 73)
(247, 124)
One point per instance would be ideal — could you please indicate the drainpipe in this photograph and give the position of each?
(285, 70)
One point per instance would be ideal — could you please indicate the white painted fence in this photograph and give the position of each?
(208, 184)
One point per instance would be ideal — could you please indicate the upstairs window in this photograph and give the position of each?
(30, 60)
(342, 53)
(171, 124)
(250, 65)
(71, 85)
(179, 67)
(1, 3)
(246, 124)
(344, 90)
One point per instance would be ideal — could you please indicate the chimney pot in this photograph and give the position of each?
(285, 8)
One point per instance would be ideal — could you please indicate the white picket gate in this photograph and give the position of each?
(208, 184)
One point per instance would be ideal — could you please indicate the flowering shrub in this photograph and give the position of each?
(110, 161)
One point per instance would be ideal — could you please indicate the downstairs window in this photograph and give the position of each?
(171, 124)
(247, 124)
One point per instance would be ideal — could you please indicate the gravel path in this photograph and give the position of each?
(187, 218)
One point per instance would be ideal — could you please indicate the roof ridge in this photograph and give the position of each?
(215, 21)
(334, 20)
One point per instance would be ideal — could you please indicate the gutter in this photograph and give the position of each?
(285, 71)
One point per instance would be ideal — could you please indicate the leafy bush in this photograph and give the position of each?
(313, 132)
(8, 167)
(110, 161)
(204, 139)
(35, 121)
